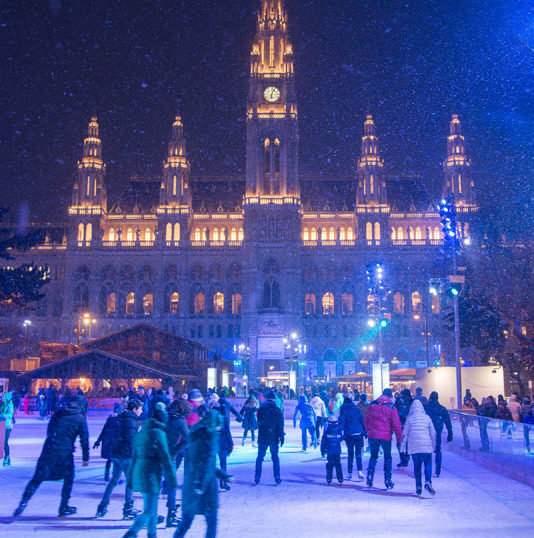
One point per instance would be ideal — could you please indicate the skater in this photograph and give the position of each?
(270, 435)
(107, 437)
(56, 461)
(121, 458)
(381, 421)
(403, 404)
(151, 458)
(41, 403)
(419, 440)
(178, 438)
(320, 414)
(307, 422)
(200, 494)
(226, 443)
(353, 427)
(51, 400)
(7, 412)
(440, 417)
(198, 407)
(528, 425)
(331, 448)
(249, 413)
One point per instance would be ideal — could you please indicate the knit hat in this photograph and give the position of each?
(195, 395)
(160, 413)
(332, 419)
(388, 392)
(349, 396)
(116, 407)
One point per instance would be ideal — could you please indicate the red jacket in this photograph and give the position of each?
(382, 420)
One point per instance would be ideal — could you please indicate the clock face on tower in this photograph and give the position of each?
(271, 94)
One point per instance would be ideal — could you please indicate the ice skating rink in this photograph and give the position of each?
(471, 501)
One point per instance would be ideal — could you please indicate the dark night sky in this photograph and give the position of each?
(136, 63)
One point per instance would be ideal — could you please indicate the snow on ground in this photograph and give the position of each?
(470, 501)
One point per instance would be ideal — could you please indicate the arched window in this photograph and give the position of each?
(218, 303)
(342, 234)
(368, 231)
(324, 234)
(393, 234)
(398, 303)
(81, 298)
(174, 302)
(310, 304)
(148, 304)
(437, 233)
(313, 235)
(332, 234)
(271, 293)
(418, 233)
(81, 231)
(148, 234)
(129, 235)
(276, 162)
(435, 304)
(372, 180)
(271, 51)
(305, 234)
(130, 304)
(347, 304)
(400, 234)
(223, 234)
(197, 234)
(199, 303)
(168, 232)
(215, 234)
(410, 232)
(377, 231)
(328, 303)
(240, 234)
(417, 304)
(177, 231)
(111, 234)
(236, 304)
(89, 232)
(350, 234)
(233, 235)
(111, 303)
(429, 233)
(267, 158)
(466, 230)
(174, 185)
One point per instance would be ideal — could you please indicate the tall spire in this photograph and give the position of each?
(456, 167)
(371, 185)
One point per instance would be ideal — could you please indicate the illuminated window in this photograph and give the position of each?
(88, 184)
(130, 304)
(466, 229)
(524, 330)
(111, 303)
(276, 158)
(435, 304)
(324, 234)
(177, 231)
(174, 302)
(174, 185)
(197, 234)
(417, 304)
(393, 234)
(305, 234)
(89, 232)
(168, 231)
(460, 183)
(429, 233)
(80, 231)
(236, 304)
(398, 303)
(371, 303)
(218, 303)
(233, 235)
(350, 234)
(313, 235)
(94, 184)
(368, 231)
(377, 231)
(240, 234)
(129, 235)
(437, 233)
(148, 304)
(418, 233)
(332, 234)
(310, 304)
(111, 234)
(410, 232)
(271, 51)
(342, 234)
(328, 304)
(215, 234)
(223, 234)
(400, 233)
(347, 303)
(199, 303)
(372, 182)
(148, 235)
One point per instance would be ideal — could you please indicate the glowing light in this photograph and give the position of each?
(371, 322)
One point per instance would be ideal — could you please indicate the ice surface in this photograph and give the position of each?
(470, 500)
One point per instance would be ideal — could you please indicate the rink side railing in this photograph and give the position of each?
(502, 446)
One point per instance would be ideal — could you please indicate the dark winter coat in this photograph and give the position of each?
(56, 460)
(200, 492)
(351, 419)
(228, 408)
(41, 400)
(331, 441)
(307, 414)
(528, 418)
(270, 424)
(402, 405)
(177, 434)
(503, 413)
(128, 425)
(108, 436)
(226, 443)
(151, 459)
(488, 410)
(249, 412)
(440, 417)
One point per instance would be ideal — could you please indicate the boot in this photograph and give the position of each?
(129, 512)
(224, 485)
(7, 461)
(360, 475)
(20, 508)
(429, 488)
(172, 520)
(129, 534)
(243, 442)
(66, 510)
(101, 511)
(370, 476)
(389, 484)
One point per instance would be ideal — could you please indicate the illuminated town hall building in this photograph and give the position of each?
(250, 260)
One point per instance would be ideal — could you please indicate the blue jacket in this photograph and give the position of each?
(307, 414)
(351, 419)
(331, 441)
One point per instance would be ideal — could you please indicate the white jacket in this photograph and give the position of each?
(419, 435)
(318, 406)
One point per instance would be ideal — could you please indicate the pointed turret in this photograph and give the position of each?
(175, 186)
(458, 182)
(371, 185)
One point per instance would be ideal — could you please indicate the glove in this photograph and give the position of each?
(96, 445)
(449, 437)
(239, 418)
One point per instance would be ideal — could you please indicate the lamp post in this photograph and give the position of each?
(26, 323)
(293, 348)
(85, 319)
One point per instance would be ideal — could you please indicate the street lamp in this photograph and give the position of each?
(85, 319)
(26, 323)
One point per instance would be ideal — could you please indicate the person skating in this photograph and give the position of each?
(56, 461)
(440, 417)
(270, 435)
(419, 440)
(41, 403)
(381, 421)
(331, 448)
(403, 404)
(107, 438)
(121, 458)
(320, 414)
(200, 492)
(151, 459)
(7, 413)
(307, 422)
(352, 424)
(226, 443)
(249, 413)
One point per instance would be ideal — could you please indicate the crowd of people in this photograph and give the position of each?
(151, 433)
